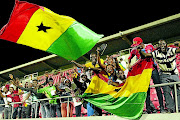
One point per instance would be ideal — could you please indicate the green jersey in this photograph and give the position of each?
(48, 91)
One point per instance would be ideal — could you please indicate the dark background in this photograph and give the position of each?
(103, 17)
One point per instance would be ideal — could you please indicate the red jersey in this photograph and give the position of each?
(15, 98)
(134, 52)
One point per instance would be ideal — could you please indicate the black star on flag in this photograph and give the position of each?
(42, 27)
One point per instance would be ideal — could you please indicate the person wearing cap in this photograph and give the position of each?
(7, 100)
(147, 48)
(15, 98)
(34, 94)
(50, 92)
(134, 52)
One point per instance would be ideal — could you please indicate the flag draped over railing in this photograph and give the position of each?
(126, 101)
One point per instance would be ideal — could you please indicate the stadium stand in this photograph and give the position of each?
(150, 32)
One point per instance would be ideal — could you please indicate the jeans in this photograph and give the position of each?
(15, 113)
(78, 110)
(45, 110)
(53, 110)
(7, 112)
(93, 110)
(156, 80)
(165, 78)
(90, 110)
(58, 110)
(33, 109)
(26, 112)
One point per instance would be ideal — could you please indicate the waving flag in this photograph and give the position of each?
(38, 27)
(128, 101)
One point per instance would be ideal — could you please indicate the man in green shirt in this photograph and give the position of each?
(50, 92)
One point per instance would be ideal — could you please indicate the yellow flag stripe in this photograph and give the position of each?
(97, 86)
(134, 84)
(43, 40)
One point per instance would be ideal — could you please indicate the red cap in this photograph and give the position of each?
(7, 86)
(136, 41)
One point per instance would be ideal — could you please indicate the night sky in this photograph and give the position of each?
(103, 17)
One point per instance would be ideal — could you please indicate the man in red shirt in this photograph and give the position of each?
(147, 48)
(15, 98)
(138, 42)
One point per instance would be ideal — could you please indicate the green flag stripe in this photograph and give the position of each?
(121, 105)
(75, 42)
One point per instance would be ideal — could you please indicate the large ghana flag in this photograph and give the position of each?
(38, 27)
(128, 101)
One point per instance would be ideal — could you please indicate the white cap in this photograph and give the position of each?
(3, 87)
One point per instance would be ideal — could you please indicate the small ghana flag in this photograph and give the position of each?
(126, 101)
(40, 28)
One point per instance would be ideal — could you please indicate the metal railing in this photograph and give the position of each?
(39, 100)
(156, 85)
(175, 91)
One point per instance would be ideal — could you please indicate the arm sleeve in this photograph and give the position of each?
(153, 49)
(9, 96)
(41, 90)
(174, 50)
(79, 84)
(133, 53)
(153, 55)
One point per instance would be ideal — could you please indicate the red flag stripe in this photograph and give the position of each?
(140, 66)
(16, 22)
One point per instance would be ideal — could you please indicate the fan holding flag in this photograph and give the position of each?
(40, 28)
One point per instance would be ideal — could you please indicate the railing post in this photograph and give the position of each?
(36, 109)
(68, 108)
(176, 101)
(12, 110)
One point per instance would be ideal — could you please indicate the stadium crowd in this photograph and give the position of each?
(30, 94)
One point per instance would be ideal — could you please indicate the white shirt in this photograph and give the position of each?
(25, 95)
(77, 101)
(7, 99)
(166, 62)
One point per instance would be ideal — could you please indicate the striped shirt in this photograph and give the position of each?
(166, 61)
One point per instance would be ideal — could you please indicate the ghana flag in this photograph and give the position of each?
(40, 28)
(126, 101)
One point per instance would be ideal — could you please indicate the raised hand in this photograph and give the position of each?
(11, 76)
